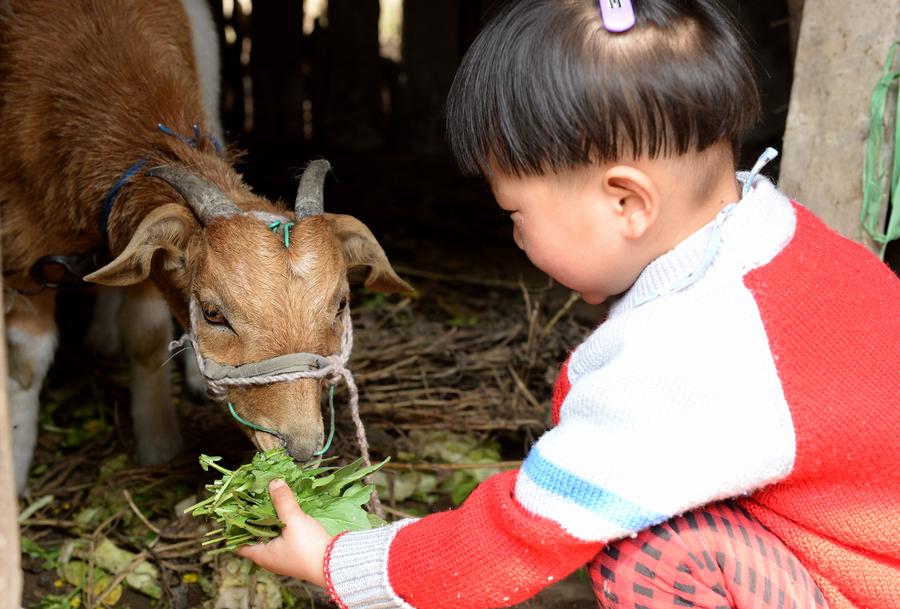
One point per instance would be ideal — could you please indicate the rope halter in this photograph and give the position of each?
(331, 369)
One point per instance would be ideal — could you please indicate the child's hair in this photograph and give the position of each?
(545, 87)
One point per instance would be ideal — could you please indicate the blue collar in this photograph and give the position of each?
(113, 193)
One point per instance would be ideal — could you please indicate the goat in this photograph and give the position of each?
(100, 102)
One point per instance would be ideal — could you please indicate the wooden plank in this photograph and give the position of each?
(10, 571)
(351, 114)
(276, 69)
(839, 58)
(431, 54)
(795, 14)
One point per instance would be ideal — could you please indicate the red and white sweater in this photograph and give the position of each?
(771, 374)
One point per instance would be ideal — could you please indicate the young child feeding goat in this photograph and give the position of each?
(727, 436)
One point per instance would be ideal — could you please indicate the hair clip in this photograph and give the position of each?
(618, 15)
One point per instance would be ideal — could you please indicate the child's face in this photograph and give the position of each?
(596, 228)
(570, 230)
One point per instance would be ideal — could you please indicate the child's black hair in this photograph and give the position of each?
(545, 87)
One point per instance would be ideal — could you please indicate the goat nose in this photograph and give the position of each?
(303, 449)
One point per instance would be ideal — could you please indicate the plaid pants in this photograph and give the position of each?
(716, 557)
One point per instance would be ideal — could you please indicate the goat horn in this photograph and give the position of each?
(206, 200)
(311, 194)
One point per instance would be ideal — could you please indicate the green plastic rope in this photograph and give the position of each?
(874, 178)
(269, 430)
(244, 421)
(325, 448)
(286, 229)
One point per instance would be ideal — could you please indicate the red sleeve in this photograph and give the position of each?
(560, 389)
(490, 552)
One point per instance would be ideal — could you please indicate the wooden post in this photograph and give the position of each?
(840, 55)
(352, 118)
(10, 572)
(276, 70)
(795, 14)
(431, 54)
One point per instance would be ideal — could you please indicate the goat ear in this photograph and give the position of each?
(362, 249)
(166, 229)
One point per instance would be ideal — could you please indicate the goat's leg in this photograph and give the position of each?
(31, 337)
(146, 328)
(103, 335)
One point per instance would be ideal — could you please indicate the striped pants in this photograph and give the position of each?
(716, 557)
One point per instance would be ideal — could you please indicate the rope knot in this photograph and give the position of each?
(334, 370)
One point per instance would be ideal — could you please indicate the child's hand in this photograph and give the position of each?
(300, 549)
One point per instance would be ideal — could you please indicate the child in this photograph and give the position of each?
(728, 437)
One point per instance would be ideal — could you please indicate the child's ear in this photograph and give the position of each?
(635, 199)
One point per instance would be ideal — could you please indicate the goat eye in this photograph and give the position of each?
(213, 315)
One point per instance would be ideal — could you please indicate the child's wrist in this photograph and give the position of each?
(328, 584)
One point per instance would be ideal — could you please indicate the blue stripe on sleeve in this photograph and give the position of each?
(586, 494)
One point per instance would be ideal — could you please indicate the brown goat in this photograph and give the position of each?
(83, 87)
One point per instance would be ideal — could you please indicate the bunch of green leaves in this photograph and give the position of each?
(241, 505)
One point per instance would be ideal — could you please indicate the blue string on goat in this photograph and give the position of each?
(110, 198)
(113, 193)
(193, 142)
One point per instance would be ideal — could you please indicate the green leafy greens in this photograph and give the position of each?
(240, 500)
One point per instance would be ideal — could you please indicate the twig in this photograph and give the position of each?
(51, 522)
(89, 588)
(534, 314)
(178, 568)
(514, 425)
(466, 279)
(60, 470)
(389, 315)
(194, 544)
(106, 523)
(74, 488)
(451, 466)
(387, 371)
(396, 512)
(251, 585)
(524, 388)
(35, 507)
(162, 534)
(570, 302)
(139, 514)
(162, 574)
